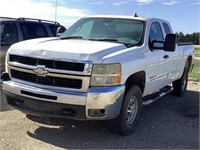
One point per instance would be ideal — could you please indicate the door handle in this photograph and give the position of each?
(166, 56)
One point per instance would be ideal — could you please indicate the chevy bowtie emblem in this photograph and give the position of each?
(41, 70)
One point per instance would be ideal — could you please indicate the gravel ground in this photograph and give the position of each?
(170, 123)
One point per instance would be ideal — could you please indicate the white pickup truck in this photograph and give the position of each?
(101, 68)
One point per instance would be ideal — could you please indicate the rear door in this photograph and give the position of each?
(170, 59)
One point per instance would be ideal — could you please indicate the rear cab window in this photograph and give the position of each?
(32, 30)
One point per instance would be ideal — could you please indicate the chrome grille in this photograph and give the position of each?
(53, 64)
(47, 80)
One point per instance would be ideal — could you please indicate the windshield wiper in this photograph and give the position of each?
(128, 45)
(113, 40)
(73, 37)
(107, 40)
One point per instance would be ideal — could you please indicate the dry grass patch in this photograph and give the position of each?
(197, 47)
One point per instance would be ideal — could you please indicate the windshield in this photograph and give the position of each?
(127, 31)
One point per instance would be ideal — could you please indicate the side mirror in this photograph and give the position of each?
(170, 42)
(60, 30)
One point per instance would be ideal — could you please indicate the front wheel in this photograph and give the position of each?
(130, 112)
(180, 85)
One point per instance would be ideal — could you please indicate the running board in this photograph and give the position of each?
(154, 97)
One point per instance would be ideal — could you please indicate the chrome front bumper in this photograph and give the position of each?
(99, 103)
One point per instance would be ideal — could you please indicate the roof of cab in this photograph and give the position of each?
(119, 16)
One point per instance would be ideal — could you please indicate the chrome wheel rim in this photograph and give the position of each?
(132, 109)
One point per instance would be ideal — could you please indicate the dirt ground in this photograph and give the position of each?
(170, 123)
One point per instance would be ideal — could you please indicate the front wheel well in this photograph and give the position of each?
(138, 79)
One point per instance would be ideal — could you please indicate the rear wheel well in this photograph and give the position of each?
(138, 79)
(188, 64)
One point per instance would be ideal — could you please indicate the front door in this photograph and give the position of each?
(158, 70)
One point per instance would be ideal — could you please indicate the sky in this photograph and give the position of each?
(183, 15)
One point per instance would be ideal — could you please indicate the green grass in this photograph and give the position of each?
(197, 53)
(195, 74)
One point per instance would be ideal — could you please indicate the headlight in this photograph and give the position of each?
(106, 75)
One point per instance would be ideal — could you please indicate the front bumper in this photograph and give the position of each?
(98, 103)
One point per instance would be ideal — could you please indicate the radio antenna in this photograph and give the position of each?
(56, 11)
(135, 15)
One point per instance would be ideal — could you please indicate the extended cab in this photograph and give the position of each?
(101, 68)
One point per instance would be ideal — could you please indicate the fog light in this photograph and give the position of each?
(96, 112)
(5, 76)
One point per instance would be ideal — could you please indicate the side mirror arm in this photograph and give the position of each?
(60, 30)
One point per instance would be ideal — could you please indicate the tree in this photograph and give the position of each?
(194, 37)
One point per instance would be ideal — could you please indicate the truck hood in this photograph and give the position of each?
(66, 50)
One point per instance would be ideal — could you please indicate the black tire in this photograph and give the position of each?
(180, 85)
(130, 112)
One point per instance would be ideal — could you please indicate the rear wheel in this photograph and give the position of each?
(180, 85)
(130, 112)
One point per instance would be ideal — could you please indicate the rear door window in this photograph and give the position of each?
(33, 30)
(8, 32)
(166, 28)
